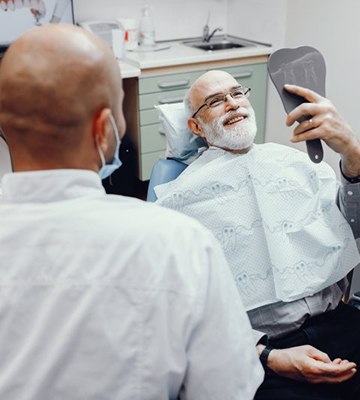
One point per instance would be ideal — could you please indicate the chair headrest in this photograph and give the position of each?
(181, 143)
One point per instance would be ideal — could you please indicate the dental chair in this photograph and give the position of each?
(182, 146)
(163, 171)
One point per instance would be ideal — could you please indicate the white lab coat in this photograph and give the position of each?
(107, 297)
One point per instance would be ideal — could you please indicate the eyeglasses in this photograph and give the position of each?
(219, 99)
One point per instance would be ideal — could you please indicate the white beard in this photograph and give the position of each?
(237, 137)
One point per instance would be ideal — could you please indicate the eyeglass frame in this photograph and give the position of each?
(205, 104)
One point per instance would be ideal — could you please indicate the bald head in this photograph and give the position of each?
(54, 80)
(205, 85)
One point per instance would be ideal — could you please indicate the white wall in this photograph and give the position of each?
(173, 19)
(260, 20)
(332, 28)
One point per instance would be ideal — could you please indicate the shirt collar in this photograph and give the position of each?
(50, 185)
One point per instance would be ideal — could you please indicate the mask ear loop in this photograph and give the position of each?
(103, 162)
(101, 154)
(2, 136)
(118, 141)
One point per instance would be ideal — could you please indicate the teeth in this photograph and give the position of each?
(3, 5)
(233, 120)
(26, 3)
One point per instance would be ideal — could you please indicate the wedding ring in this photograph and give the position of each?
(310, 123)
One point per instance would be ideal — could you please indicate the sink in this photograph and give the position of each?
(217, 46)
(219, 43)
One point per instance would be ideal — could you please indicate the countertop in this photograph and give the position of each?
(179, 54)
(128, 70)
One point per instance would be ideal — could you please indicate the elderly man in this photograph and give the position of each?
(102, 296)
(288, 245)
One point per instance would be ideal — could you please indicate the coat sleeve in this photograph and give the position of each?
(222, 358)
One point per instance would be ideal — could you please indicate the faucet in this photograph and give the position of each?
(206, 36)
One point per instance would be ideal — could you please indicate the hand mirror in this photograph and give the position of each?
(303, 66)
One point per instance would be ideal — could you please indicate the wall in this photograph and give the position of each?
(173, 19)
(260, 20)
(332, 28)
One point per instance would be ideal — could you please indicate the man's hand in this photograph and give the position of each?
(306, 363)
(326, 124)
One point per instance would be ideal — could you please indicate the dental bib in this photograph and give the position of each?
(274, 213)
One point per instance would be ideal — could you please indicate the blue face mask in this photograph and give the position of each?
(107, 169)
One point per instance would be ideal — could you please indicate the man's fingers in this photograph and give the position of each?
(307, 125)
(334, 379)
(336, 370)
(308, 94)
(307, 135)
(333, 372)
(306, 109)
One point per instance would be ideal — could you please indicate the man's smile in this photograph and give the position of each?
(234, 119)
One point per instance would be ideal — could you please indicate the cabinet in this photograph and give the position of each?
(170, 88)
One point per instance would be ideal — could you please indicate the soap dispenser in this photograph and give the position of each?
(146, 28)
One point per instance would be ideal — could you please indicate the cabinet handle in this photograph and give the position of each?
(162, 133)
(243, 75)
(176, 84)
(170, 100)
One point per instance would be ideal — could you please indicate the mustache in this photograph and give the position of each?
(240, 111)
(234, 113)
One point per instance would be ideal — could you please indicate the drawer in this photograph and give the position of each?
(148, 117)
(147, 101)
(151, 139)
(167, 82)
(244, 74)
(147, 162)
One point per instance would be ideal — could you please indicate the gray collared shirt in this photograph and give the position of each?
(278, 319)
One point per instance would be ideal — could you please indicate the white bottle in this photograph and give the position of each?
(146, 28)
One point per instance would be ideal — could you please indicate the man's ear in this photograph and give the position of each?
(102, 128)
(195, 127)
